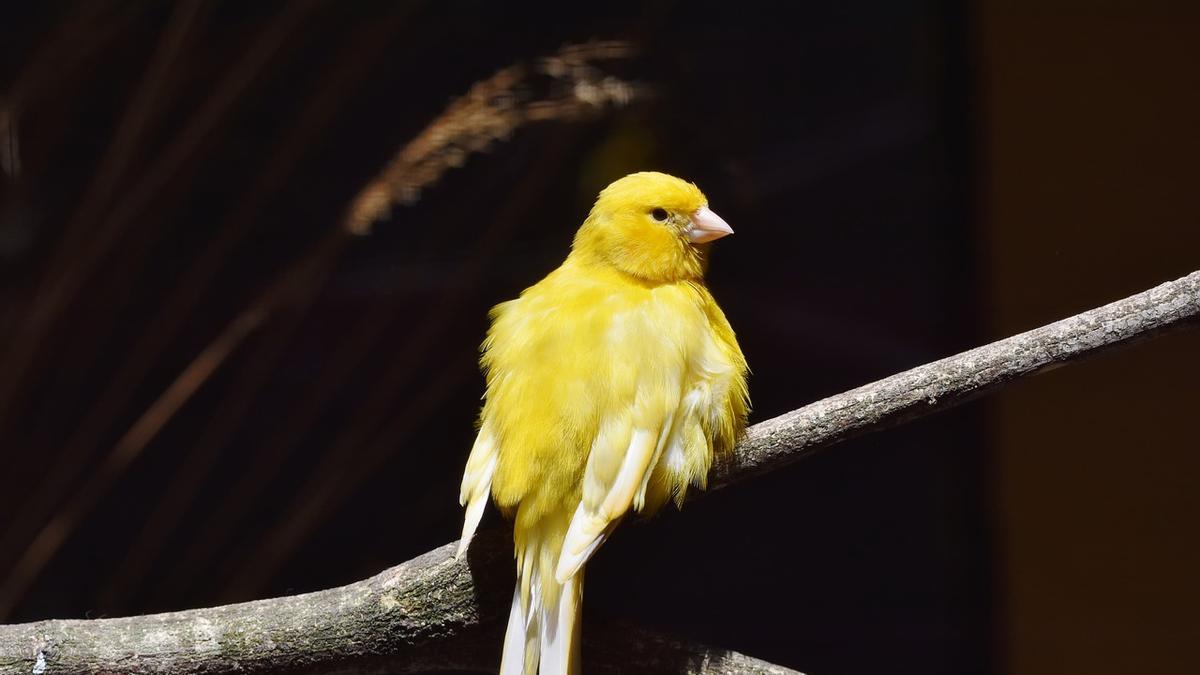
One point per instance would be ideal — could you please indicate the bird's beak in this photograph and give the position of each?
(707, 226)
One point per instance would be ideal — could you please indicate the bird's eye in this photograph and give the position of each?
(659, 214)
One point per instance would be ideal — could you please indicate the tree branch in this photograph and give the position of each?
(943, 384)
(435, 613)
(431, 613)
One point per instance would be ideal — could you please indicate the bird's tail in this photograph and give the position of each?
(543, 625)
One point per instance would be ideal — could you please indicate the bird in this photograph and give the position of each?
(611, 386)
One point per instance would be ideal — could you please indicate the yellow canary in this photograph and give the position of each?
(611, 385)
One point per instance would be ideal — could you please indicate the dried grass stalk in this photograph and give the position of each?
(567, 85)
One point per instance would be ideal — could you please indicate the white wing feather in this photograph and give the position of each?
(595, 519)
(476, 486)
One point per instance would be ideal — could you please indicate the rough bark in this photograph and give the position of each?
(435, 613)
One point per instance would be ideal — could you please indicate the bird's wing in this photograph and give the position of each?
(476, 484)
(600, 511)
(624, 453)
(661, 443)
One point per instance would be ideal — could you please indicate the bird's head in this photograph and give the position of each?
(652, 226)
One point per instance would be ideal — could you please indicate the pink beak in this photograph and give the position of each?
(707, 226)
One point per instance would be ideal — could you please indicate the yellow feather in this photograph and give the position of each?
(611, 385)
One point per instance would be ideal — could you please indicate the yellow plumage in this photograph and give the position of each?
(611, 385)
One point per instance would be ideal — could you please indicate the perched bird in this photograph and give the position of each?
(611, 385)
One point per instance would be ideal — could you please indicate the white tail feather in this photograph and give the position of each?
(513, 661)
(560, 631)
(541, 638)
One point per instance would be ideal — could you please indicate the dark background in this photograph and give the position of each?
(907, 180)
